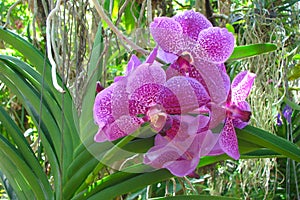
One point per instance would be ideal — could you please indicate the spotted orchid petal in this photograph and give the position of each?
(241, 86)
(151, 58)
(145, 74)
(214, 45)
(102, 107)
(166, 57)
(123, 126)
(188, 92)
(216, 80)
(168, 34)
(192, 23)
(228, 140)
(132, 64)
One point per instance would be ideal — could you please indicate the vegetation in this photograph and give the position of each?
(46, 136)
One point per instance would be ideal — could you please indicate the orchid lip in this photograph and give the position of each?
(235, 112)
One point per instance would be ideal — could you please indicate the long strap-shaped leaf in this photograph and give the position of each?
(270, 141)
(41, 64)
(31, 99)
(8, 154)
(25, 151)
(251, 139)
(247, 51)
(53, 111)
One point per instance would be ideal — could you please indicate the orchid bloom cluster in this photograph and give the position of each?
(191, 106)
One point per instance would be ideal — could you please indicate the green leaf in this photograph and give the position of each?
(194, 197)
(294, 73)
(230, 28)
(25, 150)
(241, 52)
(296, 57)
(272, 142)
(86, 122)
(9, 153)
(262, 153)
(132, 184)
(41, 64)
(31, 101)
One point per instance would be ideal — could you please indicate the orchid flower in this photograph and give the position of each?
(237, 115)
(180, 147)
(190, 36)
(144, 95)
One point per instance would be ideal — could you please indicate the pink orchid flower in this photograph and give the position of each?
(191, 37)
(237, 115)
(144, 95)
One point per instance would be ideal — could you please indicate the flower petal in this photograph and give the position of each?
(241, 86)
(100, 136)
(189, 93)
(215, 45)
(151, 58)
(228, 140)
(167, 57)
(123, 126)
(241, 122)
(168, 34)
(192, 23)
(145, 74)
(216, 80)
(145, 96)
(181, 157)
(208, 142)
(132, 64)
(102, 107)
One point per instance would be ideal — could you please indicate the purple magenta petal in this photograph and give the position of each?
(192, 23)
(212, 76)
(147, 94)
(208, 143)
(120, 104)
(102, 107)
(179, 155)
(132, 64)
(123, 126)
(215, 45)
(166, 57)
(287, 113)
(189, 93)
(100, 136)
(217, 116)
(169, 157)
(152, 56)
(228, 140)
(242, 118)
(144, 74)
(241, 86)
(168, 34)
(216, 150)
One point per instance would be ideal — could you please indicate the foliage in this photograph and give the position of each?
(57, 158)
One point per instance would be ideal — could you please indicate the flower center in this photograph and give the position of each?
(157, 118)
(187, 56)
